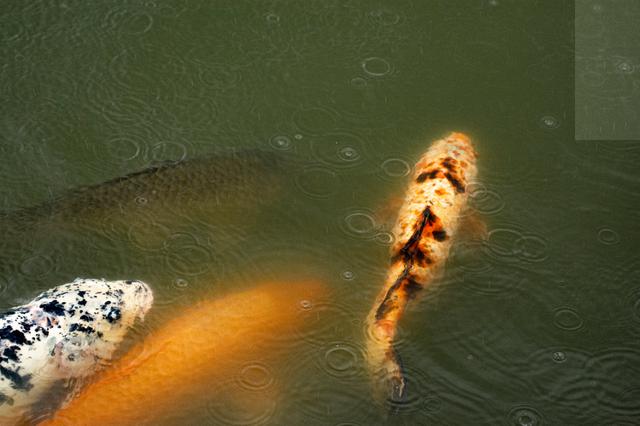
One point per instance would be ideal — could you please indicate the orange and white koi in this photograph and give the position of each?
(426, 225)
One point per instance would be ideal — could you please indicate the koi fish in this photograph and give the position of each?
(146, 206)
(179, 363)
(426, 226)
(64, 333)
(228, 179)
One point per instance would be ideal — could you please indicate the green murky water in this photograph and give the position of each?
(537, 324)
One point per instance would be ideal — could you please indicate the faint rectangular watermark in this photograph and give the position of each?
(607, 69)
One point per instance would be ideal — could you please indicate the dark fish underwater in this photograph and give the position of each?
(144, 206)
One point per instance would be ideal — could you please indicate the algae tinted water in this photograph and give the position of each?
(536, 324)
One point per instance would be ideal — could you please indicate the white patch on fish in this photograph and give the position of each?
(67, 332)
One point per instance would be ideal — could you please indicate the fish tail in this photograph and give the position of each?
(384, 361)
(386, 369)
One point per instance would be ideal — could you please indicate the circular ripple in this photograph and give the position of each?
(325, 323)
(559, 356)
(376, 67)
(608, 236)
(524, 415)
(395, 168)
(124, 148)
(513, 245)
(616, 371)
(137, 24)
(385, 238)
(350, 275)
(339, 149)
(531, 248)
(145, 235)
(255, 376)
(483, 200)
(470, 257)
(360, 224)
(358, 82)
(563, 383)
(501, 243)
(272, 18)
(222, 411)
(343, 360)
(185, 256)
(180, 283)
(549, 122)
(37, 266)
(318, 182)
(306, 304)
(281, 143)
(384, 17)
(171, 151)
(567, 319)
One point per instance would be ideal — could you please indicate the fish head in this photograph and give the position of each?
(456, 153)
(460, 147)
(137, 297)
(84, 321)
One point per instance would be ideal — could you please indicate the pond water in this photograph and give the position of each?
(534, 323)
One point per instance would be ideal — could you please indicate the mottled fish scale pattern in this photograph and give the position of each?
(66, 332)
(426, 225)
(227, 179)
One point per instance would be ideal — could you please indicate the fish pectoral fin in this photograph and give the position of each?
(385, 215)
(473, 226)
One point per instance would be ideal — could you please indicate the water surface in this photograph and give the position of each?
(536, 324)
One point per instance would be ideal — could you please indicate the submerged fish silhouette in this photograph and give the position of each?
(181, 362)
(218, 181)
(426, 225)
(153, 202)
(65, 333)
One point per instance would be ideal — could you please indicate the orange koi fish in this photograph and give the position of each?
(181, 361)
(426, 225)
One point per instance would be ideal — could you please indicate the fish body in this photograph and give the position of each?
(140, 210)
(185, 360)
(228, 179)
(67, 332)
(425, 228)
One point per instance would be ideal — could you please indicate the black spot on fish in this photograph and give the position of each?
(427, 175)
(14, 336)
(455, 182)
(81, 293)
(129, 282)
(53, 307)
(26, 325)
(11, 352)
(82, 302)
(4, 399)
(440, 235)
(86, 317)
(17, 381)
(113, 315)
(411, 288)
(81, 328)
(449, 163)
(421, 258)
